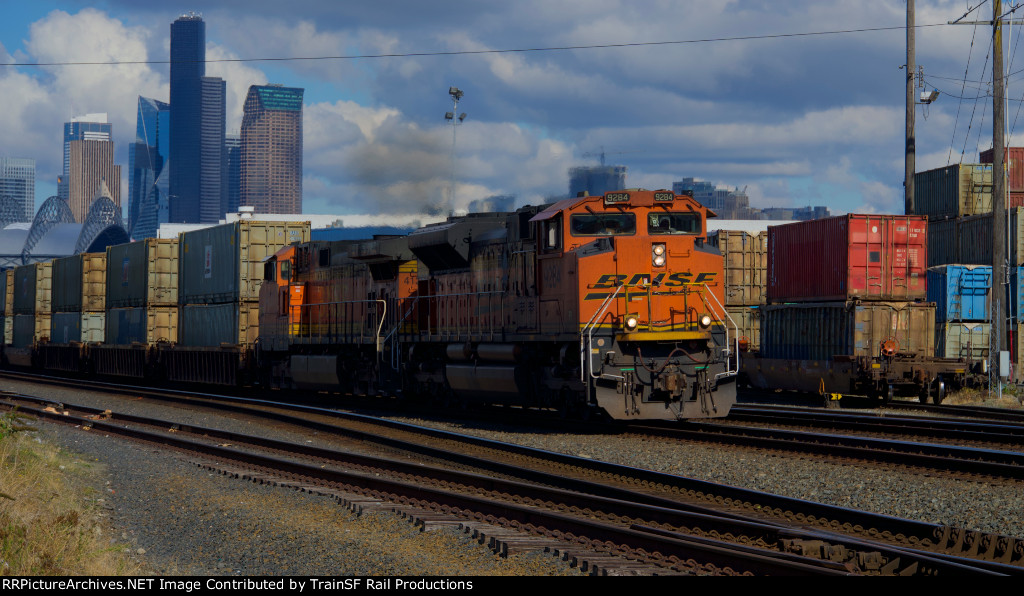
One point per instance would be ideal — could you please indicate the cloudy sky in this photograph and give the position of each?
(783, 98)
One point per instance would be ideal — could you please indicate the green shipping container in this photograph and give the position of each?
(224, 263)
(142, 274)
(954, 191)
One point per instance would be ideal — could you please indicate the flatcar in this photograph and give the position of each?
(608, 303)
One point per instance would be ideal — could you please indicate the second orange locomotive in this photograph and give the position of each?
(606, 302)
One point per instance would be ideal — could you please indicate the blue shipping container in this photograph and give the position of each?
(960, 292)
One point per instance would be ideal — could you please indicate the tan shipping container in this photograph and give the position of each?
(94, 282)
(9, 294)
(748, 319)
(746, 265)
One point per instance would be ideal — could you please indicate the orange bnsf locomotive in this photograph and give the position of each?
(609, 303)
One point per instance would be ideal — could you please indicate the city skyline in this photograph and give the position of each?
(800, 111)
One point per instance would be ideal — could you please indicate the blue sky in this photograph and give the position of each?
(795, 119)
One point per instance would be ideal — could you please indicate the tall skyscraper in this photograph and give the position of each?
(271, 164)
(88, 160)
(212, 155)
(18, 182)
(197, 114)
(90, 127)
(147, 160)
(233, 150)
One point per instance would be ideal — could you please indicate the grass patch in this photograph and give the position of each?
(982, 397)
(49, 525)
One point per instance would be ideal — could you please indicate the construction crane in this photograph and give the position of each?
(602, 154)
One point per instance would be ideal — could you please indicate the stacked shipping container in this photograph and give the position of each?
(961, 293)
(142, 292)
(746, 260)
(851, 285)
(6, 307)
(31, 304)
(963, 237)
(221, 276)
(79, 298)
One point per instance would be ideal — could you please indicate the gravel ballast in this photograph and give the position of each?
(189, 521)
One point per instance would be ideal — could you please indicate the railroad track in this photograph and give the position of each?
(986, 459)
(784, 536)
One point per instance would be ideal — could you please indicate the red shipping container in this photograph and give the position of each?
(848, 257)
(1014, 157)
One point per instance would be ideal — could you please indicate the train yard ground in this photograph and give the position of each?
(154, 498)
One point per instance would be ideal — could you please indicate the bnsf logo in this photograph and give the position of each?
(610, 281)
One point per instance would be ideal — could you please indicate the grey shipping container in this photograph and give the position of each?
(66, 327)
(32, 288)
(962, 340)
(746, 265)
(79, 283)
(29, 329)
(819, 331)
(24, 328)
(85, 327)
(25, 290)
(142, 274)
(142, 325)
(953, 191)
(968, 240)
(211, 325)
(225, 263)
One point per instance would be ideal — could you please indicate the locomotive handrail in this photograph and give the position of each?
(320, 325)
(727, 373)
(588, 329)
(447, 313)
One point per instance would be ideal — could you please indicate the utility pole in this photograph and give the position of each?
(999, 220)
(911, 148)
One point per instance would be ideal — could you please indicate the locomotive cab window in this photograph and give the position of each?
(286, 270)
(552, 230)
(602, 224)
(673, 223)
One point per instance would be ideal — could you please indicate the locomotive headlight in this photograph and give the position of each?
(705, 321)
(658, 255)
(631, 323)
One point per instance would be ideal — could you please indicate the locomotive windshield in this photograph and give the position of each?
(603, 224)
(673, 223)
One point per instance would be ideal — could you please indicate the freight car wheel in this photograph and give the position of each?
(940, 391)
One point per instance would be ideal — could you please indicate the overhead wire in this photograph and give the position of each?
(479, 52)
(963, 88)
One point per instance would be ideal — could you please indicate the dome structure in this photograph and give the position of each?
(54, 232)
